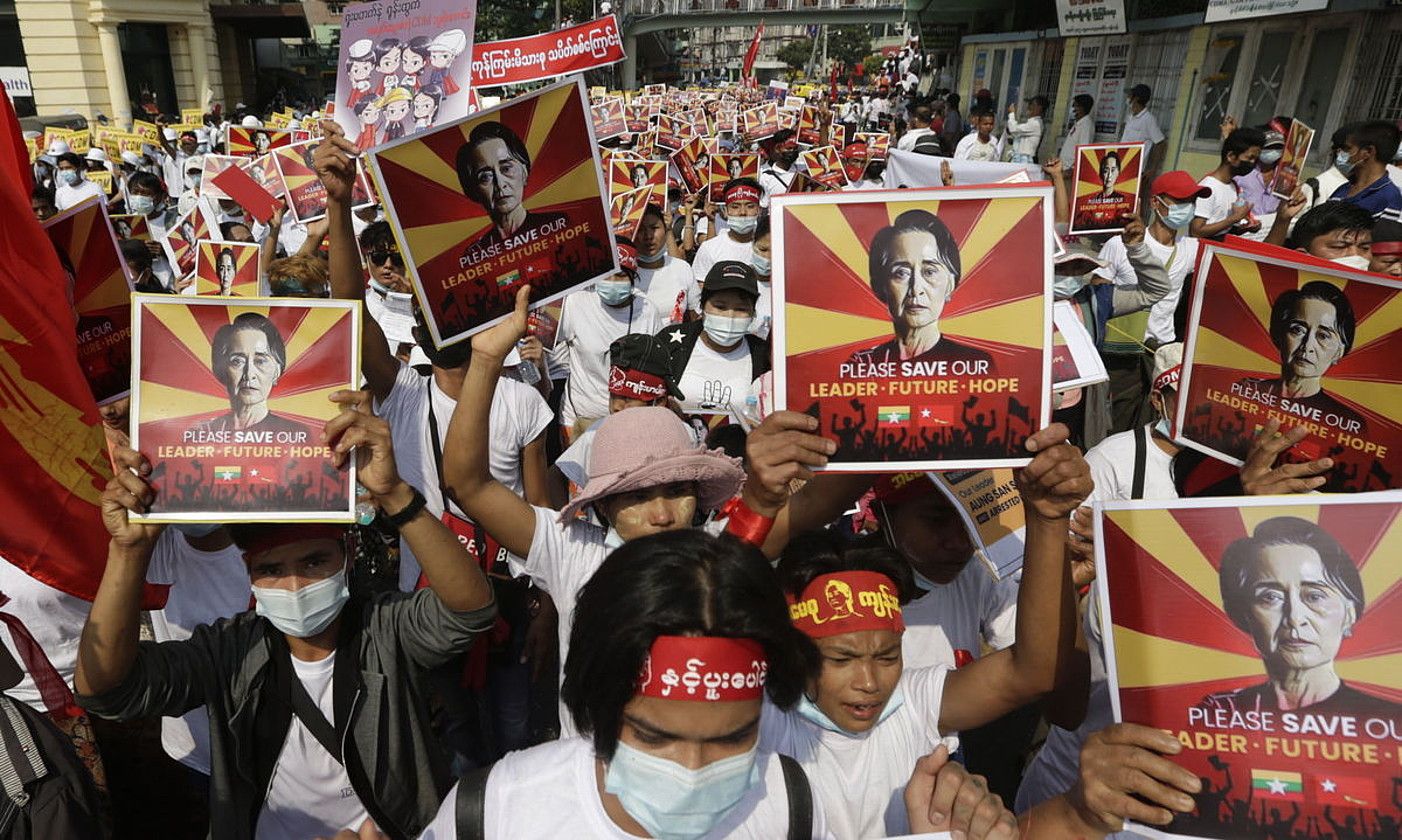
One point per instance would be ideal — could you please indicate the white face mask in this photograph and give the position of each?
(725, 330)
(742, 225)
(674, 802)
(307, 611)
(1358, 262)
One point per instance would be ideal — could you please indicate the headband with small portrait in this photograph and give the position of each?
(847, 602)
(741, 192)
(707, 668)
(1168, 379)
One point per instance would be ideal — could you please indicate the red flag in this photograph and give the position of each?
(832, 85)
(934, 415)
(752, 53)
(1345, 791)
(51, 439)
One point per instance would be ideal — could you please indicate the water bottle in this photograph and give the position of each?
(364, 508)
(529, 373)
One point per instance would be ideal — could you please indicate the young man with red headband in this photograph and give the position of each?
(742, 211)
(864, 721)
(316, 715)
(777, 176)
(1386, 252)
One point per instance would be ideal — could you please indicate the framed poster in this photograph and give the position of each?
(915, 324)
(1105, 186)
(1303, 341)
(229, 402)
(512, 195)
(87, 249)
(227, 268)
(1262, 633)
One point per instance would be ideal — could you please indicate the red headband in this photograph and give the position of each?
(1393, 246)
(271, 536)
(627, 257)
(627, 382)
(845, 602)
(703, 668)
(741, 192)
(1168, 379)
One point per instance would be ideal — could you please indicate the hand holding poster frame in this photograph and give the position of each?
(1215, 609)
(480, 208)
(229, 400)
(1286, 175)
(1302, 341)
(970, 342)
(1105, 186)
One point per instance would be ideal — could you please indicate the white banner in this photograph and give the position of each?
(911, 169)
(1090, 17)
(16, 80)
(1220, 10)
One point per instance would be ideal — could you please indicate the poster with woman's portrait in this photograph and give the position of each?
(672, 132)
(180, 242)
(608, 118)
(626, 210)
(637, 116)
(760, 122)
(227, 268)
(87, 249)
(915, 324)
(693, 164)
(403, 68)
(1286, 175)
(230, 399)
(253, 142)
(878, 143)
(1303, 341)
(1105, 187)
(1262, 633)
(214, 166)
(726, 167)
(511, 196)
(131, 226)
(304, 193)
(264, 173)
(825, 166)
(629, 174)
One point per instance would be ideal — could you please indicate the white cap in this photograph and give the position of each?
(58, 147)
(168, 133)
(131, 158)
(1168, 363)
(202, 135)
(97, 154)
(362, 50)
(251, 121)
(453, 41)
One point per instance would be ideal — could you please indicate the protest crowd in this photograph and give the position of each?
(595, 510)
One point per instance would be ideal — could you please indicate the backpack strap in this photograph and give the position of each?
(1141, 457)
(20, 763)
(471, 806)
(800, 799)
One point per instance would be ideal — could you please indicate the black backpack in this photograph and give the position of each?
(928, 144)
(472, 802)
(47, 792)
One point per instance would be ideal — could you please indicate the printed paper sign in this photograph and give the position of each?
(761, 122)
(1106, 186)
(180, 240)
(227, 268)
(1274, 334)
(306, 197)
(253, 142)
(510, 196)
(825, 167)
(1075, 361)
(626, 174)
(608, 119)
(915, 325)
(1261, 632)
(727, 166)
(989, 503)
(131, 226)
(230, 402)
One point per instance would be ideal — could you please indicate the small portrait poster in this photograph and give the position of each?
(636, 116)
(693, 163)
(760, 122)
(227, 268)
(264, 172)
(1105, 187)
(1293, 158)
(672, 132)
(626, 212)
(608, 118)
(825, 167)
(1262, 633)
(512, 195)
(627, 174)
(181, 239)
(230, 400)
(727, 166)
(1302, 341)
(915, 324)
(878, 143)
(131, 226)
(87, 249)
(809, 126)
(403, 67)
(253, 142)
(214, 165)
(304, 193)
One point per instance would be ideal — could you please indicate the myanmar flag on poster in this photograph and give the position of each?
(1344, 791)
(1277, 784)
(894, 415)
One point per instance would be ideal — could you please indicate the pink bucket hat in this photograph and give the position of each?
(650, 446)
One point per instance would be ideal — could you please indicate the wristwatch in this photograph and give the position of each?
(409, 511)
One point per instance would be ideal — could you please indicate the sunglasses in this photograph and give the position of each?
(379, 258)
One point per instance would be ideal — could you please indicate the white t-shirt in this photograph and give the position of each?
(552, 791)
(1142, 128)
(773, 181)
(205, 586)
(1217, 206)
(1178, 258)
(1082, 132)
(860, 779)
(671, 288)
(907, 141)
(718, 249)
(310, 794)
(587, 328)
(1112, 468)
(518, 415)
(54, 618)
(66, 196)
(959, 615)
(971, 148)
(716, 382)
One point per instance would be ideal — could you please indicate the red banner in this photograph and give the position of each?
(513, 61)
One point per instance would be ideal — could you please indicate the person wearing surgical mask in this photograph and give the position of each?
(591, 319)
(777, 176)
(741, 207)
(70, 187)
(1254, 186)
(1335, 230)
(1364, 158)
(316, 717)
(761, 260)
(664, 279)
(1223, 210)
(716, 358)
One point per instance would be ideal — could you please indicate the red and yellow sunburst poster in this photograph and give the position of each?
(915, 324)
(608, 118)
(1264, 634)
(626, 214)
(825, 167)
(230, 399)
(626, 174)
(180, 240)
(1304, 341)
(1106, 186)
(304, 193)
(88, 252)
(512, 195)
(727, 166)
(131, 226)
(227, 268)
(253, 142)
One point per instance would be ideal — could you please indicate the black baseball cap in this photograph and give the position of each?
(731, 274)
(645, 353)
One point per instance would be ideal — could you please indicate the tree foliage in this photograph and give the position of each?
(849, 44)
(796, 53)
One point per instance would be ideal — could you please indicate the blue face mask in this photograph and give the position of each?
(71, 177)
(1067, 287)
(303, 612)
(614, 292)
(1179, 216)
(743, 225)
(726, 331)
(1270, 156)
(1161, 429)
(1344, 163)
(612, 540)
(761, 265)
(809, 711)
(673, 802)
